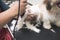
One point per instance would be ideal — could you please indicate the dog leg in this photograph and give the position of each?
(19, 24)
(31, 27)
(46, 24)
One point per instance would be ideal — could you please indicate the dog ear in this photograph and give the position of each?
(48, 5)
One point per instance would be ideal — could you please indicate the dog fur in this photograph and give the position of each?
(46, 11)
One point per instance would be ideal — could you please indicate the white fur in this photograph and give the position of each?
(49, 16)
(29, 26)
(42, 15)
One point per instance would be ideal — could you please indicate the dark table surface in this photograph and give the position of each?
(25, 34)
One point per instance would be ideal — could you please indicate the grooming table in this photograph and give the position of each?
(25, 34)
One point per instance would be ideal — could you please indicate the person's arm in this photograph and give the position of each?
(7, 15)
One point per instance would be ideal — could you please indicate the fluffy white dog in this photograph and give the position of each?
(47, 11)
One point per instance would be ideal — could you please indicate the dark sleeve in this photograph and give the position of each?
(3, 6)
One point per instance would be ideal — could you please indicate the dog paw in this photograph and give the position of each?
(47, 27)
(37, 30)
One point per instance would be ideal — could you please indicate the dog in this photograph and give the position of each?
(50, 13)
(29, 24)
(47, 11)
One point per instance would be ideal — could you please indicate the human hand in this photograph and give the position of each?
(23, 4)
